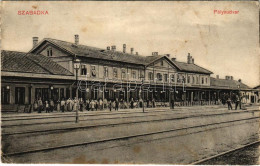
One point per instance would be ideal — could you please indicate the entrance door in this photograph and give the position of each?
(19, 95)
(42, 93)
(5, 95)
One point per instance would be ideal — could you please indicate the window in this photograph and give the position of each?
(49, 52)
(5, 95)
(188, 79)
(183, 79)
(93, 71)
(202, 80)
(134, 74)
(150, 76)
(206, 80)
(165, 77)
(159, 76)
(161, 62)
(123, 74)
(141, 74)
(197, 80)
(115, 74)
(83, 70)
(193, 79)
(178, 78)
(173, 78)
(105, 72)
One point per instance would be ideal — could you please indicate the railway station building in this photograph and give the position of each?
(48, 71)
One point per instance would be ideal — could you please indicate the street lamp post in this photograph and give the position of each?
(239, 97)
(143, 93)
(76, 67)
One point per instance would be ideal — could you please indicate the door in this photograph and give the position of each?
(19, 95)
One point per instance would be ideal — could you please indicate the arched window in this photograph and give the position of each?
(159, 76)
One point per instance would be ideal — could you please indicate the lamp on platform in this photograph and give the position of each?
(76, 67)
(7, 87)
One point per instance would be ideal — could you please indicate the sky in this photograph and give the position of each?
(224, 44)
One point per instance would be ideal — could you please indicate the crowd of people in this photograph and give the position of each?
(236, 99)
(75, 104)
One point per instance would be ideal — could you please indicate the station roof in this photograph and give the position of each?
(94, 52)
(230, 84)
(13, 61)
(189, 67)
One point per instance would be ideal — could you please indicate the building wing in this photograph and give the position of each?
(13, 61)
(227, 84)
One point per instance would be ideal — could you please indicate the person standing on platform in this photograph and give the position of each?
(40, 105)
(51, 105)
(81, 104)
(75, 104)
(141, 103)
(100, 104)
(105, 103)
(87, 105)
(132, 103)
(96, 105)
(116, 104)
(153, 102)
(172, 103)
(58, 106)
(238, 102)
(69, 104)
(47, 107)
(35, 105)
(92, 105)
(229, 103)
(110, 105)
(62, 105)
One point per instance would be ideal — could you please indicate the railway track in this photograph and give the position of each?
(95, 113)
(46, 131)
(71, 114)
(68, 121)
(200, 162)
(86, 115)
(201, 128)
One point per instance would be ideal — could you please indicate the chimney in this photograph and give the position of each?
(239, 80)
(108, 48)
(173, 59)
(168, 55)
(231, 77)
(227, 77)
(192, 60)
(188, 58)
(76, 39)
(35, 41)
(136, 53)
(217, 76)
(132, 50)
(113, 48)
(124, 48)
(154, 53)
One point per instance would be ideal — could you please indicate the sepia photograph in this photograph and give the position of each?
(130, 82)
